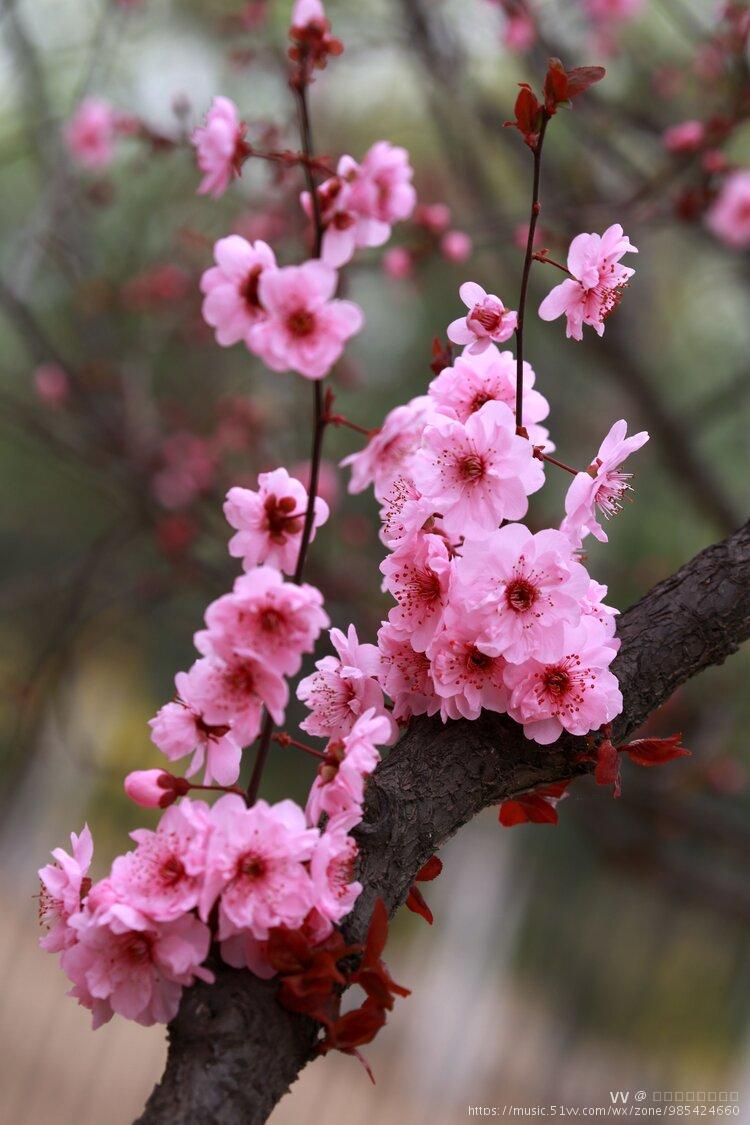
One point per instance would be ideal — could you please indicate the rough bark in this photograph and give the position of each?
(233, 1050)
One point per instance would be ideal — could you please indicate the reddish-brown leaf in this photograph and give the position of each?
(655, 751)
(581, 77)
(527, 809)
(416, 903)
(429, 871)
(377, 934)
(607, 770)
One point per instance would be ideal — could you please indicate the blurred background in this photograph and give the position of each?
(608, 953)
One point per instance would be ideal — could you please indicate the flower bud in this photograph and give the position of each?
(154, 789)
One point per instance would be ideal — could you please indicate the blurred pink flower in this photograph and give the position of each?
(220, 147)
(456, 246)
(685, 137)
(90, 133)
(51, 384)
(729, 215)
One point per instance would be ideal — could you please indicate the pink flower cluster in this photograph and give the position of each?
(131, 942)
(488, 615)
(285, 315)
(363, 200)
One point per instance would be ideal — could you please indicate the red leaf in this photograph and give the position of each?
(429, 871)
(528, 113)
(416, 903)
(528, 809)
(581, 77)
(655, 751)
(607, 770)
(377, 934)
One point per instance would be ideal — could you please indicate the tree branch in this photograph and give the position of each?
(233, 1049)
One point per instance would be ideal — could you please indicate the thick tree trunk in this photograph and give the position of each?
(233, 1050)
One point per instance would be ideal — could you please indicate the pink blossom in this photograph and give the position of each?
(255, 866)
(602, 486)
(233, 692)
(405, 675)
(593, 605)
(478, 473)
(188, 469)
(180, 728)
(269, 522)
(332, 871)
(487, 321)
(388, 454)
(304, 331)
(348, 219)
(685, 137)
(162, 877)
(474, 380)
(137, 971)
(265, 615)
(434, 217)
(576, 693)
(466, 679)
(243, 951)
(613, 9)
(343, 687)
(728, 217)
(456, 246)
(398, 263)
(404, 513)
(305, 12)
(152, 789)
(418, 576)
(51, 384)
(232, 303)
(523, 589)
(595, 288)
(64, 884)
(385, 190)
(220, 147)
(519, 33)
(339, 789)
(90, 133)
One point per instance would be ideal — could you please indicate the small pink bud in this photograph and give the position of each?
(51, 384)
(398, 263)
(456, 246)
(154, 789)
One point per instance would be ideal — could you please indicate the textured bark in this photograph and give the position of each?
(233, 1050)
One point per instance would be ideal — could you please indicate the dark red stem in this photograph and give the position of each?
(535, 209)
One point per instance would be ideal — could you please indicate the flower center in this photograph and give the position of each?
(249, 289)
(301, 323)
(520, 595)
(342, 220)
(172, 871)
(489, 317)
(477, 659)
(556, 682)
(139, 949)
(479, 400)
(280, 518)
(252, 866)
(271, 621)
(472, 467)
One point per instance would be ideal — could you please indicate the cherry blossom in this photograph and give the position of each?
(235, 691)
(137, 971)
(576, 693)
(685, 137)
(220, 147)
(487, 321)
(524, 590)
(477, 473)
(332, 872)
(264, 615)
(338, 790)
(304, 330)
(232, 303)
(63, 884)
(255, 866)
(466, 679)
(601, 487)
(389, 452)
(597, 280)
(180, 728)
(490, 376)
(343, 687)
(728, 217)
(418, 577)
(405, 674)
(269, 522)
(90, 133)
(403, 514)
(152, 789)
(162, 877)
